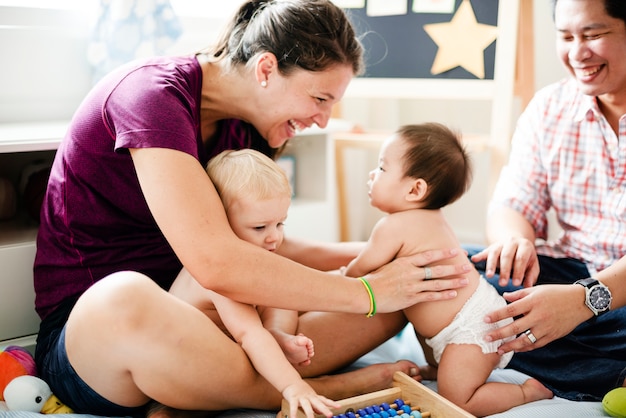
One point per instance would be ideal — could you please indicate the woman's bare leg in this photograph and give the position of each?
(131, 342)
(339, 340)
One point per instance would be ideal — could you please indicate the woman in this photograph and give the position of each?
(128, 204)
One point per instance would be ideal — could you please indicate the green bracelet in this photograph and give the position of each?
(370, 292)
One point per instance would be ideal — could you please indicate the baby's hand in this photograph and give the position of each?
(302, 395)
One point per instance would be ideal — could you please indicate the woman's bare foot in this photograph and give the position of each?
(158, 410)
(534, 390)
(428, 372)
(365, 380)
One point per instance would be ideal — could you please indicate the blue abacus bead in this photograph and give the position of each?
(350, 414)
(361, 412)
(406, 408)
(376, 415)
(399, 402)
(369, 410)
(405, 415)
(376, 408)
(392, 412)
(385, 406)
(384, 414)
(416, 414)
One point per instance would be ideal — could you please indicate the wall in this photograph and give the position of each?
(44, 73)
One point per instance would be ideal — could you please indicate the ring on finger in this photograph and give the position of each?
(530, 336)
(428, 273)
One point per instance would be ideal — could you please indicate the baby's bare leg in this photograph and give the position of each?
(462, 378)
(428, 371)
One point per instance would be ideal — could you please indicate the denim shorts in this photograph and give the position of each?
(55, 369)
(587, 363)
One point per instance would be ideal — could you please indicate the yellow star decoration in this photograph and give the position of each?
(461, 42)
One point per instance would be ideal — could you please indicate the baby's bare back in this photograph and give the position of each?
(421, 230)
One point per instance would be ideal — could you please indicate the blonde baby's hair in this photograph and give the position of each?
(247, 172)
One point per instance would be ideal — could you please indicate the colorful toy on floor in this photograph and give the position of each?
(21, 389)
(30, 393)
(614, 403)
(15, 361)
(399, 408)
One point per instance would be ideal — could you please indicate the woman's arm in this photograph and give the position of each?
(190, 214)
(324, 256)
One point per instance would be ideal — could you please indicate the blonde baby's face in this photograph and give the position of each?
(260, 222)
(388, 186)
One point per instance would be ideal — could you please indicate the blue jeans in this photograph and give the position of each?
(587, 363)
(55, 369)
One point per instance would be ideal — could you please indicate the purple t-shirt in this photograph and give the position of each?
(94, 218)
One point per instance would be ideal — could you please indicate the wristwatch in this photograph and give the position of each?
(598, 296)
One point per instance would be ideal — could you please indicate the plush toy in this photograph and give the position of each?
(20, 389)
(614, 403)
(15, 361)
(30, 393)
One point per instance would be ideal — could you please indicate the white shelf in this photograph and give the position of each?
(31, 136)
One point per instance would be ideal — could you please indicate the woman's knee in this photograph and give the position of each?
(122, 298)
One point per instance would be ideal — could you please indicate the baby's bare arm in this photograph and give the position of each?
(382, 247)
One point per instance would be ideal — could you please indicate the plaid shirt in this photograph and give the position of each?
(564, 155)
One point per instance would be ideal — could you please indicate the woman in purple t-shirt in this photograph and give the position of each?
(129, 203)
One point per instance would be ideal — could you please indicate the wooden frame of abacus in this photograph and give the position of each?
(404, 388)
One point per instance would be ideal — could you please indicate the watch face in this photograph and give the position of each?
(600, 298)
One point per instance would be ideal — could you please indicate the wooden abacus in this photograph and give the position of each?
(419, 397)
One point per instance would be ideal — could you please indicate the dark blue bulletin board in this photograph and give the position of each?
(398, 46)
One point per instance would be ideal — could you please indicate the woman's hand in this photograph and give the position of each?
(548, 311)
(402, 282)
(516, 258)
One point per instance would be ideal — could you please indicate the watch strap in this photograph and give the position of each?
(588, 282)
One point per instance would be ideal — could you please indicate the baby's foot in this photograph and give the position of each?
(534, 390)
(298, 349)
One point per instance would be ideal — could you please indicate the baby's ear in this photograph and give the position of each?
(418, 190)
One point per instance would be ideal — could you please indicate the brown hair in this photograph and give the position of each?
(309, 34)
(436, 154)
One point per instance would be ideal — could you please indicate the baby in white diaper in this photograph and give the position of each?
(421, 169)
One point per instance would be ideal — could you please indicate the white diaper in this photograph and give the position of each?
(468, 326)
